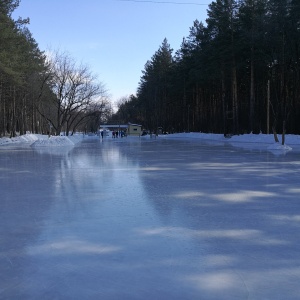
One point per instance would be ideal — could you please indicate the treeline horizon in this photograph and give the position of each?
(238, 73)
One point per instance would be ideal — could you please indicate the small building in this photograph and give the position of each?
(134, 129)
(129, 129)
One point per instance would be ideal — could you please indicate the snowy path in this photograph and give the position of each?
(149, 219)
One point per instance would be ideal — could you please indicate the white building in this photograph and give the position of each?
(129, 129)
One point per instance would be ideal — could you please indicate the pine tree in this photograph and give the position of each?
(222, 27)
(153, 89)
(252, 18)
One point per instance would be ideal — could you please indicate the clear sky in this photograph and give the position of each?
(115, 38)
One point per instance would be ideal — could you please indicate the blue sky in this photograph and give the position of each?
(115, 38)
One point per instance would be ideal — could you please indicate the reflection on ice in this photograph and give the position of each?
(186, 232)
(242, 196)
(69, 246)
(216, 281)
(218, 260)
(157, 169)
(289, 218)
(54, 150)
(189, 194)
(149, 219)
(294, 190)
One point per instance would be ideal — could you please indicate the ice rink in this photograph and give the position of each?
(149, 219)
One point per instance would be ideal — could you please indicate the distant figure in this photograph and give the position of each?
(113, 134)
(117, 133)
(102, 134)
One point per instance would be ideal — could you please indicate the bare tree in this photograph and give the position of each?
(96, 113)
(75, 89)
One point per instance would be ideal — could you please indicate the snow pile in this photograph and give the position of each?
(5, 141)
(249, 141)
(57, 141)
(245, 141)
(277, 146)
(77, 138)
(39, 140)
(26, 138)
(244, 138)
(30, 138)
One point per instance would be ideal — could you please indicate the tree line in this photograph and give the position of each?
(239, 72)
(42, 93)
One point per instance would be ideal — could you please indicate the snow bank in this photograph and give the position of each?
(249, 141)
(243, 138)
(245, 141)
(77, 138)
(26, 138)
(57, 141)
(53, 141)
(39, 140)
(5, 141)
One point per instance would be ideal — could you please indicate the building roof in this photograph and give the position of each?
(113, 126)
(119, 125)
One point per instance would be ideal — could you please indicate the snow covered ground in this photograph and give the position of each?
(247, 141)
(39, 140)
(183, 216)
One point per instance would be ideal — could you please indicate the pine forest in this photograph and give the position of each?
(237, 73)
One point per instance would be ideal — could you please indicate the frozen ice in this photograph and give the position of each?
(186, 216)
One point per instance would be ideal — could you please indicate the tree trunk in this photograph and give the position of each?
(234, 101)
(223, 103)
(275, 133)
(252, 96)
(283, 133)
(13, 114)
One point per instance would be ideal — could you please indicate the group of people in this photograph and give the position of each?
(116, 134)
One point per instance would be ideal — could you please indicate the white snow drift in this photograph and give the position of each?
(248, 141)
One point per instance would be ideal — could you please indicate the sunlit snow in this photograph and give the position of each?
(250, 141)
(181, 216)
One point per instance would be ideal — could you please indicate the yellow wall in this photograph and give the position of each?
(134, 130)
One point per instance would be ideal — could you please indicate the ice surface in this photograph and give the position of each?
(141, 218)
